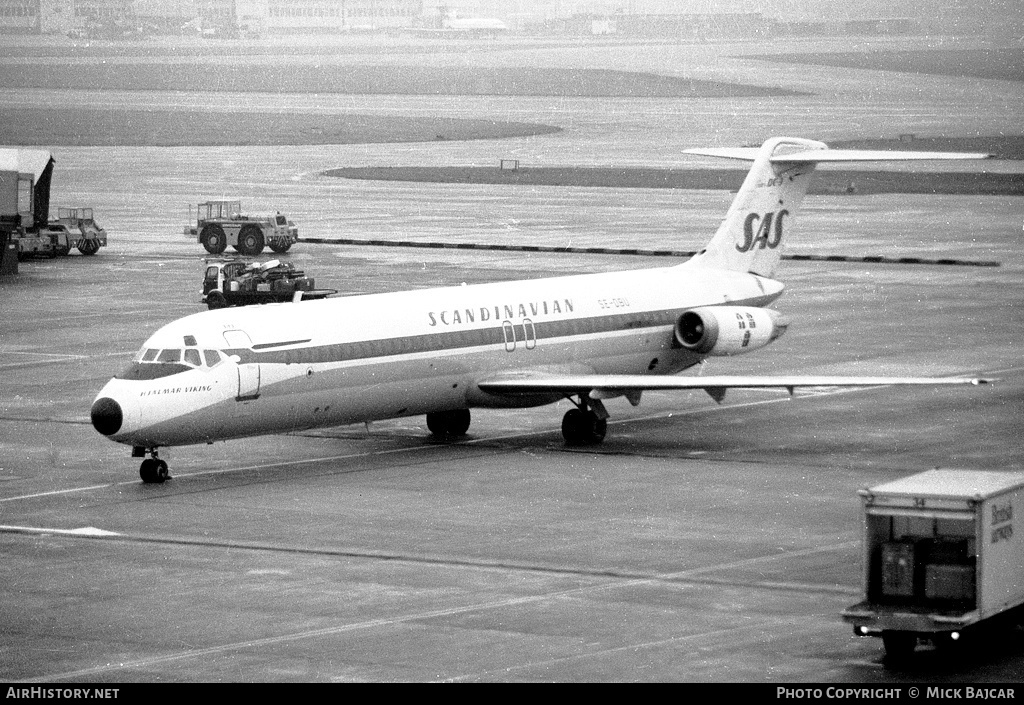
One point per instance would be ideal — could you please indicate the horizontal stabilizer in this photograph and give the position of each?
(745, 153)
(834, 155)
(753, 233)
(872, 155)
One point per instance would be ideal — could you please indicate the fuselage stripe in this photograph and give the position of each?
(264, 346)
(520, 333)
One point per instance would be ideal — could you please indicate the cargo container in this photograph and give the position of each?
(941, 558)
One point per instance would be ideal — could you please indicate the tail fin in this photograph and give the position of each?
(751, 237)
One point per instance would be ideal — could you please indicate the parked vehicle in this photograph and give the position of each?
(219, 224)
(941, 558)
(236, 282)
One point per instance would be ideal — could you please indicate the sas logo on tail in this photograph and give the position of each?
(758, 231)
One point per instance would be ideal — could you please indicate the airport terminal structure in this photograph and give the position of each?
(691, 20)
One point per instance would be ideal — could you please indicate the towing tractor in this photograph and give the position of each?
(941, 559)
(221, 223)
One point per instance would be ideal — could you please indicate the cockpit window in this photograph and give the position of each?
(171, 360)
(152, 370)
(212, 357)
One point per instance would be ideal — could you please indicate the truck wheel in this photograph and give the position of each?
(216, 299)
(899, 645)
(250, 241)
(89, 247)
(280, 245)
(212, 237)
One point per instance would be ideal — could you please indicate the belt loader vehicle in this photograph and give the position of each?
(221, 223)
(941, 558)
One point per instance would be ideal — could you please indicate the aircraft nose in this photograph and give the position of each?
(107, 416)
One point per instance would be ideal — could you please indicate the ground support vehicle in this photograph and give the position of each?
(41, 243)
(941, 558)
(89, 236)
(73, 228)
(236, 282)
(25, 176)
(221, 223)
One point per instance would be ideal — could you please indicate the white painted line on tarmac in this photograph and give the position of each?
(60, 492)
(83, 531)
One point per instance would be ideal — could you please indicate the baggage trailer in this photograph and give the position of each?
(87, 235)
(941, 558)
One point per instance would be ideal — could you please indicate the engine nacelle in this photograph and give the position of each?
(728, 330)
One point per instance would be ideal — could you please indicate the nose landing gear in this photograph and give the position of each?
(152, 470)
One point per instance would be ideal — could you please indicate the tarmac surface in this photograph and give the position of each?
(700, 542)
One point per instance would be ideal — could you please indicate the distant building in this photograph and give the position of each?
(109, 18)
(274, 17)
(19, 16)
(683, 19)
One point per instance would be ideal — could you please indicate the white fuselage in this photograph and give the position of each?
(253, 370)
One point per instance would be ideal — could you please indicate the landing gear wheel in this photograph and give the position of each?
(250, 241)
(448, 424)
(213, 239)
(582, 427)
(216, 299)
(153, 470)
(280, 245)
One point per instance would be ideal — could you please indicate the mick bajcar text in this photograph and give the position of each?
(928, 692)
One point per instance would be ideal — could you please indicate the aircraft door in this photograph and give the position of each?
(248, 372)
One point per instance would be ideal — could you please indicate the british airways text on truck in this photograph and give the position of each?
(941, 557)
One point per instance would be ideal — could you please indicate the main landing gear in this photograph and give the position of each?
(152, 469)
(587, 424)
(448, 424)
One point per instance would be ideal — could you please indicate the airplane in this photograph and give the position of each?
(278, 368)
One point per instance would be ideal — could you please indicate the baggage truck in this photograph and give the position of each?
(235, 282)
(941, 558)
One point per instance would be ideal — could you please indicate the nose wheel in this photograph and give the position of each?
(153, 470)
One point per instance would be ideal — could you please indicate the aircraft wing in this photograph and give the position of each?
(835, 155)
(598, 385)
